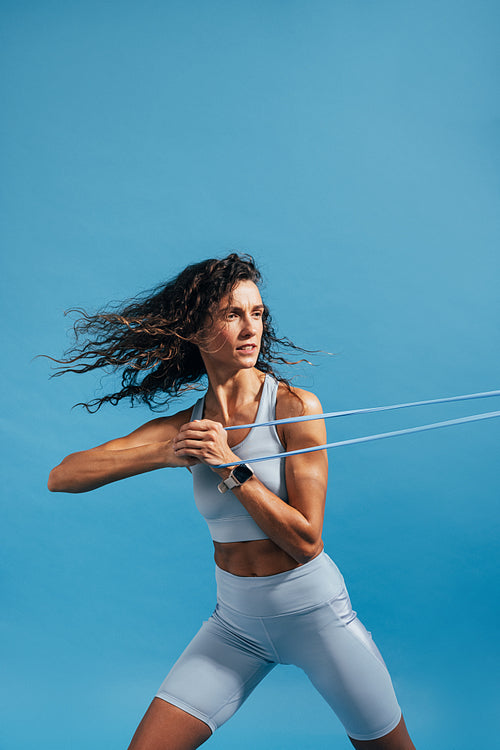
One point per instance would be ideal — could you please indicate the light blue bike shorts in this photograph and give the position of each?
(303, 617)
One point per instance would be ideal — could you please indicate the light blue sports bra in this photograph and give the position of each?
(227, 519)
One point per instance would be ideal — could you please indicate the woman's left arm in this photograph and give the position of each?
(296, 525)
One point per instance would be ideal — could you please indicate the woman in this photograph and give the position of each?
(279, 596)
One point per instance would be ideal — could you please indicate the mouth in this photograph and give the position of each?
(247, 348)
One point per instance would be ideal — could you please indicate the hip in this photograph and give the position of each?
(298, 589)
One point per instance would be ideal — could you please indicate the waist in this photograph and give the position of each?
(256, 557)
(300, 588)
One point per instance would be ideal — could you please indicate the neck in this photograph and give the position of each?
(227, 392)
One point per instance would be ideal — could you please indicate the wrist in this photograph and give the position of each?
(168, 458)
(226, 471)
(223, 473)
(238, 476)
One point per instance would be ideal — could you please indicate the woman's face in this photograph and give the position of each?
(234, 335)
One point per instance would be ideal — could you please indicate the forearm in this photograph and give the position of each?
(87, 470)
(285, 525)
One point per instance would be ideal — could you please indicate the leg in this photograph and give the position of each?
(398, 739)
(343, 663)
(212, 678)
(166, 727)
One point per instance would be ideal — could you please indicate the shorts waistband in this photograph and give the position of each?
(307, 586)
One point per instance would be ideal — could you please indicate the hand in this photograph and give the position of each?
(176, 461)
(205, 441)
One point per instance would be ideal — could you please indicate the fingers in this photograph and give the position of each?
(203, 425)
(204, 440)
(203, 429)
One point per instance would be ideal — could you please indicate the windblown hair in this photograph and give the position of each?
(151, 339)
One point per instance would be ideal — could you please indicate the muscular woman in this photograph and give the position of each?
(280, 598)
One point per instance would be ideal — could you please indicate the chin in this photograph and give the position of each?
(246, 363)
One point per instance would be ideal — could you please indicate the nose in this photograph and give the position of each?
(249, 326)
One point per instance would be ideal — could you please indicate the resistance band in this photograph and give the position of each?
(328, 415)
(367, 438)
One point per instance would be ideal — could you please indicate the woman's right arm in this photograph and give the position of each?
(147, 448)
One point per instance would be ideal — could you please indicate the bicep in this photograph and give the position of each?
(307, 473)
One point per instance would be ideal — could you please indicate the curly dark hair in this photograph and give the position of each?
(151, 339)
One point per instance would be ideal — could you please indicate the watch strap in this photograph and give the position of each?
(228, 484)
(231, 481)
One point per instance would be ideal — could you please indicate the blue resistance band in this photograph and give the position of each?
(328, 415)
(367, 438)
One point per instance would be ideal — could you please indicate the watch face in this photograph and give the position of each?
(242, 473)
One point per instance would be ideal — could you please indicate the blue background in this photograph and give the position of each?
(353, 149)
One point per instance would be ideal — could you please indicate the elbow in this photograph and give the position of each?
(308, 550)
(57, 482)
(54, 483)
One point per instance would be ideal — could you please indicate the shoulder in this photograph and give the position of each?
(296, 402)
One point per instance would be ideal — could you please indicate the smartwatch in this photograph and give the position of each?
(239, 475)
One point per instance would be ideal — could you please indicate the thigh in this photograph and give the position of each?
(216, 673)
(340, 658)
